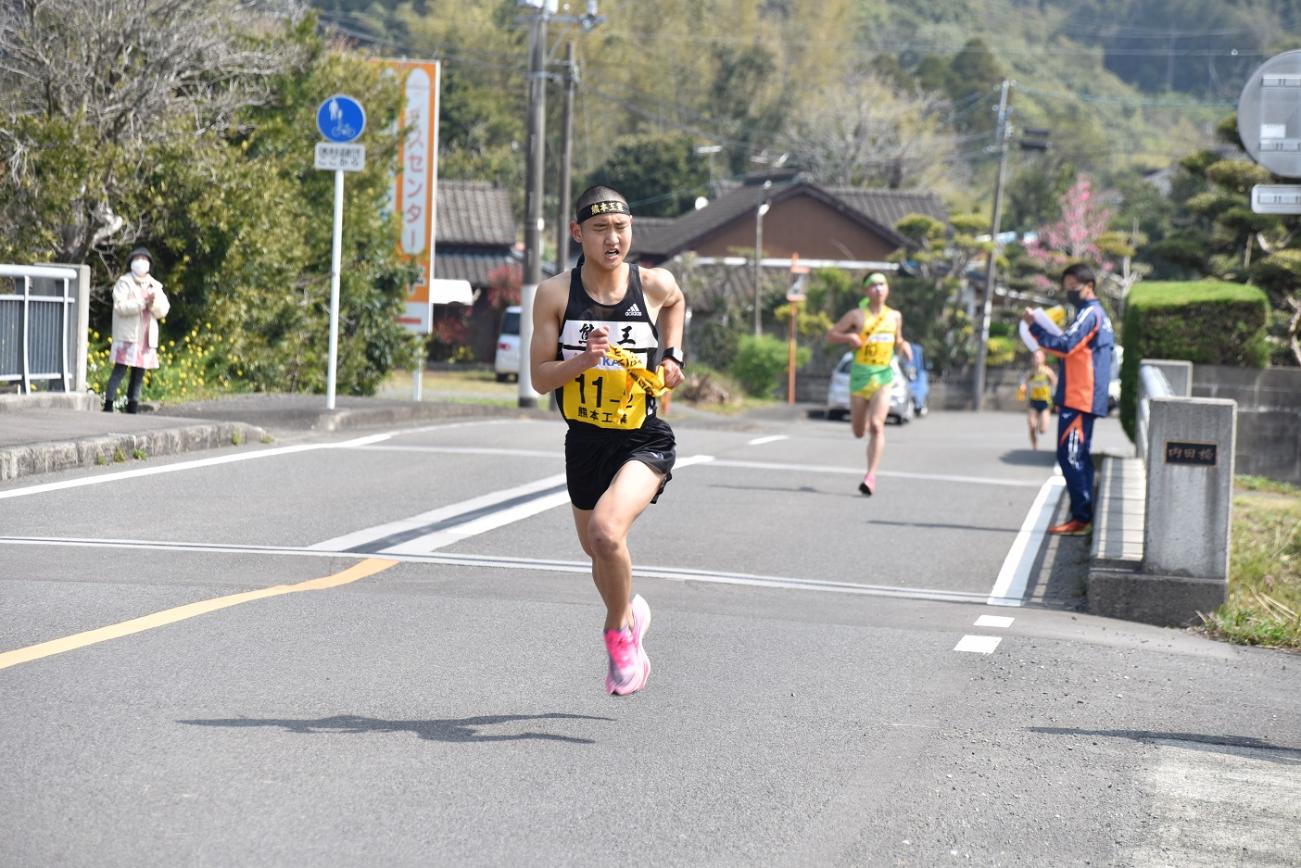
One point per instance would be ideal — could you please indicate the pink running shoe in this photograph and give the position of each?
(868, 485)
(641, 619)
(629, 665)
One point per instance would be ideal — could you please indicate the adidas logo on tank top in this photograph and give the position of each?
(632, 311)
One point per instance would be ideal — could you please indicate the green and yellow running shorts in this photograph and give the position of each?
(866, 380)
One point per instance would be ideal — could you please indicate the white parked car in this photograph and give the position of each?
(506, 361)
(901, 404)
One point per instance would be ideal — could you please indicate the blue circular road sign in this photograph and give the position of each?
(341, 118)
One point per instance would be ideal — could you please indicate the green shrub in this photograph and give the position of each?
(712, 344)
(1001, 350)
(760, 363)
(196, 367)
(1206, 322)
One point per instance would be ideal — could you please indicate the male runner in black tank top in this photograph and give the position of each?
(618, 453)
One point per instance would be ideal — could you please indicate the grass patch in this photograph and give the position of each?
(1264, 606)
(237, 438)
(139, 454)
(458, 386)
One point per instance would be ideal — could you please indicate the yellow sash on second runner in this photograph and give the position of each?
(878, 339)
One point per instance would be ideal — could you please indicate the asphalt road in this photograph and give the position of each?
(828, 685)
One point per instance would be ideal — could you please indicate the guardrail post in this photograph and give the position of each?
(79, 383)
(1189, 465)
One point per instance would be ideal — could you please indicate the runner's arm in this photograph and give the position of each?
(899, 343)
(1070, 340)
(845, 331)
(548, 372)
(663, 291)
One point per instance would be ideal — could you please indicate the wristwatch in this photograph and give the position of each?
(676, 355)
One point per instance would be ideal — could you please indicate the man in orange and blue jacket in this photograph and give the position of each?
(1085, 351)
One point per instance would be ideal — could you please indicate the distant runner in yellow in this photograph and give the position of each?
(875, 331)
(1038, 387)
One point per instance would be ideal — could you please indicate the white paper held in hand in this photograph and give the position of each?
(1043, 321)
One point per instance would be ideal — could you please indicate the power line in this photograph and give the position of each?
(1127, 101)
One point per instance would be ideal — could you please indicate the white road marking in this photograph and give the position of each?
(1253, 794)
(858, 471)
(531, 564)
(994, 621)
(497, 509)
(978, 644)
(136, 472)
(468, 450)
(759, 441)
(497, 518)
(1009, 587)
(45, 487)
(380, 531)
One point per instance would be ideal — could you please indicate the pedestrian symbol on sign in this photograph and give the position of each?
(341, 119)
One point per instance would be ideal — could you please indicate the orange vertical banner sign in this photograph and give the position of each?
(414, 195)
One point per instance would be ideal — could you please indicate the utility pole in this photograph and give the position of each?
(533, 190)
(566, 157)
(544, 10)
(982, 334)
(758, 253)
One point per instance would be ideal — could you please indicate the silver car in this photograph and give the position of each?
(901, 405)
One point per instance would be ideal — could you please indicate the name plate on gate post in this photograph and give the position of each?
(1203, 454)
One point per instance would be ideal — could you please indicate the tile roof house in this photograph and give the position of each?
(476, 231)
(824, 225)
(476, 235)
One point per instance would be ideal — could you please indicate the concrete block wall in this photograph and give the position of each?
(1269, 416)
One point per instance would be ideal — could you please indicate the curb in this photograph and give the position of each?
(19, 461)
(50, 401)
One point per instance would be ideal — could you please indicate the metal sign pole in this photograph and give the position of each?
(336, 256)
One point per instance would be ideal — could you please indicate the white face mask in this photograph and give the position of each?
(140, 266)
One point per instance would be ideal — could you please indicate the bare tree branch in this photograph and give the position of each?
(122, 77)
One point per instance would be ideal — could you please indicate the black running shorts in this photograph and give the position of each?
(592, 460)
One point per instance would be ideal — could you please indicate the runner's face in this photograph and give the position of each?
(877, 293)
(605, 238)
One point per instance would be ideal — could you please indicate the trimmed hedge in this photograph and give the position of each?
(1207, 322)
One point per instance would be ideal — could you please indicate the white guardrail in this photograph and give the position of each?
(41, 330)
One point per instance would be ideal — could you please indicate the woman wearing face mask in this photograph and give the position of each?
(138, 304)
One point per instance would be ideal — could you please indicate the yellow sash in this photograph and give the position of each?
(877, 346)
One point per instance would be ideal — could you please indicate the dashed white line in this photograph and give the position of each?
(759, 441)
(994, 621)
(978, 644)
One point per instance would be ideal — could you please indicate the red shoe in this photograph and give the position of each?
(1074, 527)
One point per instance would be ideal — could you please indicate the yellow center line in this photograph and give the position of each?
(368, 567)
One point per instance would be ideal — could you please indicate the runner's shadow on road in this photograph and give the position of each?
(465, 729)
(1030, 457)
(1196, 741)
(798, 489)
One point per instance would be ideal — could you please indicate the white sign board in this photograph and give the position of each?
(1276, 199)
(1269, 117)
(340, 158)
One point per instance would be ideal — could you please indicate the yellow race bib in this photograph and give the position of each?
(612, 394)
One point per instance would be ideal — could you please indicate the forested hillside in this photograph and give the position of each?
(857, 91)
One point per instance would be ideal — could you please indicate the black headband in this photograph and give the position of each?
(611, 206)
